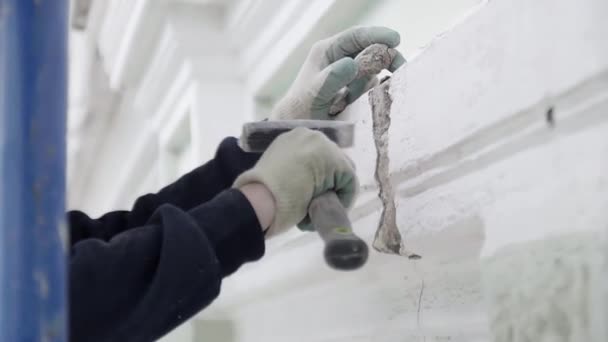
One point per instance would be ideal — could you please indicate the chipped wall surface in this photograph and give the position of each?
(497, 158)
(388, 237)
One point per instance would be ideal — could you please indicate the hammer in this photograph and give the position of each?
(343, 249)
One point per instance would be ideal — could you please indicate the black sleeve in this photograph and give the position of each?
(140, 278)
(192, 189)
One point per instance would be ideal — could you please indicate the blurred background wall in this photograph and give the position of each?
(156, 84)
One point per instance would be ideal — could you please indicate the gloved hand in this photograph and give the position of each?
(328, 68)
(298, 166)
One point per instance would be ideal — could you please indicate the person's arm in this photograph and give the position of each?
(135, 275)
(190, 190)
(147, 280)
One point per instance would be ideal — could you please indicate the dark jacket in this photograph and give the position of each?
(135, 275)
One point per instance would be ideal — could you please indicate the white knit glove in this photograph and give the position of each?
(330, 67)
(298, 166)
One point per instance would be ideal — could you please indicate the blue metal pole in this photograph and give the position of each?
(33, 297)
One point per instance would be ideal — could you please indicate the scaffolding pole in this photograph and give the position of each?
(33, 298)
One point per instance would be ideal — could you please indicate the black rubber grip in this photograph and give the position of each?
(343, 249)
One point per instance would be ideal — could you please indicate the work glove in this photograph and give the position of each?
(298, 166)
(330, 67)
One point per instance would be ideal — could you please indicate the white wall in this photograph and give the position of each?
(478, 170)
(418, 23)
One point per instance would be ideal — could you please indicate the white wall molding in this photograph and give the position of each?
(164, 65)
(89, 119)
(273, 37)
(96, 18)
(176, 134)
(270, 26)
(239, 17)
(136, 169)
(287, 38)
(168, 93)
(180, 54)
(127, 35)
(149, 147)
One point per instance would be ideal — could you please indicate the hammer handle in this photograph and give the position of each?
(343, 249)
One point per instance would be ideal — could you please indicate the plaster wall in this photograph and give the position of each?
(498, 151)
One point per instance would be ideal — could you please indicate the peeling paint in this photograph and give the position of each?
(388, 238)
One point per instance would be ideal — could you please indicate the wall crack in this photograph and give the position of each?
(388, 238)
